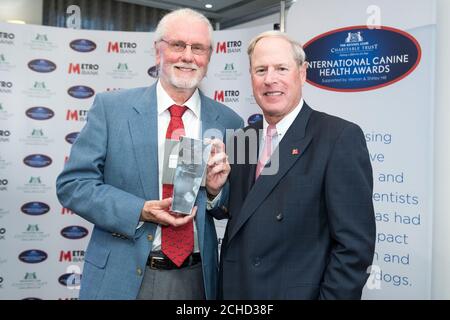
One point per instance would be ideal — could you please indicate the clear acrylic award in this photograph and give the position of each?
(190, 171)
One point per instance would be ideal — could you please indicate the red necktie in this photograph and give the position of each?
(267, 151)
(177, 243)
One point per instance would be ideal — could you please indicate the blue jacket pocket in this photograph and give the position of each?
(97, 256)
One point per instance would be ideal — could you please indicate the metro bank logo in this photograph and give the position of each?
(76, 115)
(227, 96)
(7, 38)
(71, 256)
(229, 47)
(66, 211)
(122, 47)
(6, 86)
(83, 69)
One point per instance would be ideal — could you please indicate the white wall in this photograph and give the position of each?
(29, 11)
(441, 231)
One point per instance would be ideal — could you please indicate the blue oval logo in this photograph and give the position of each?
(37, 160)
(35, 208)
(83, 45)
(74, 232)
(357, 58)
(71, 137)
(39, 113)
(70, 279)
(33, 256)
(254, 118)
(80, 92)
(153, 71)
(42, 65)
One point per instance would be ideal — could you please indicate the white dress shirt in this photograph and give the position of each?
(282, 127)
(192, 128)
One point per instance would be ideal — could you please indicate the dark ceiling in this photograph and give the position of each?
(226, 12)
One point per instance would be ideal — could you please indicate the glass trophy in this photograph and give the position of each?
(190, 171)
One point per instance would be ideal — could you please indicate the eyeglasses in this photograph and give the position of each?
(180, 46)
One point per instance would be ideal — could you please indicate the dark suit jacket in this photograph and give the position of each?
(308, 231)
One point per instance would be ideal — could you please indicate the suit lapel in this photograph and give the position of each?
(290, 149)
(249, 168)
(209, 116)
(143, 125)
(210, 126)
(243, 174)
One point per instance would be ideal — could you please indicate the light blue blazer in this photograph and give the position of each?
(111, 172)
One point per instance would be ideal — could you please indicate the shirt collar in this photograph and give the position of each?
(284, 124)
(165, 101)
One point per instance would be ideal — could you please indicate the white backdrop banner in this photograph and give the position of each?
(379, 76)
(373, 64)
(48, 78)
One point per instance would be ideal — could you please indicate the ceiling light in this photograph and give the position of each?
(208, 6)
(16, 21)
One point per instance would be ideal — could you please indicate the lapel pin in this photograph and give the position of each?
(295, 151)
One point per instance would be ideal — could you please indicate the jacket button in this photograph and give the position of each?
(279, 216)
(149, 237)
(139, 271)
(256, 262)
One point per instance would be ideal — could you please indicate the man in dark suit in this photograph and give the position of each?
(301, 217)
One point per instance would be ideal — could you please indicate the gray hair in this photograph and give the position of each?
(161, 28)
(297, 49)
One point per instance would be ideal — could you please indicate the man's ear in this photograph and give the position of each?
(302, 71)
(157, 53)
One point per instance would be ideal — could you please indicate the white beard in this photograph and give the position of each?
(185, 83)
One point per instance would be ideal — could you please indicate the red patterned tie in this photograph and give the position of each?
(177, 243)
(267, 151)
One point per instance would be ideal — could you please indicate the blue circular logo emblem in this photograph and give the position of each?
(39, 113)
(357, 58)
(70, 279)
(37, 160)
(254, 118)
(35, 208)
(74, 232)
(71, 137)
(42, 65)
(83, 45)
(81, 92)
(33, 256)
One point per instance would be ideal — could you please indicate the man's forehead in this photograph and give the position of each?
(186, 28)
(286, 58)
